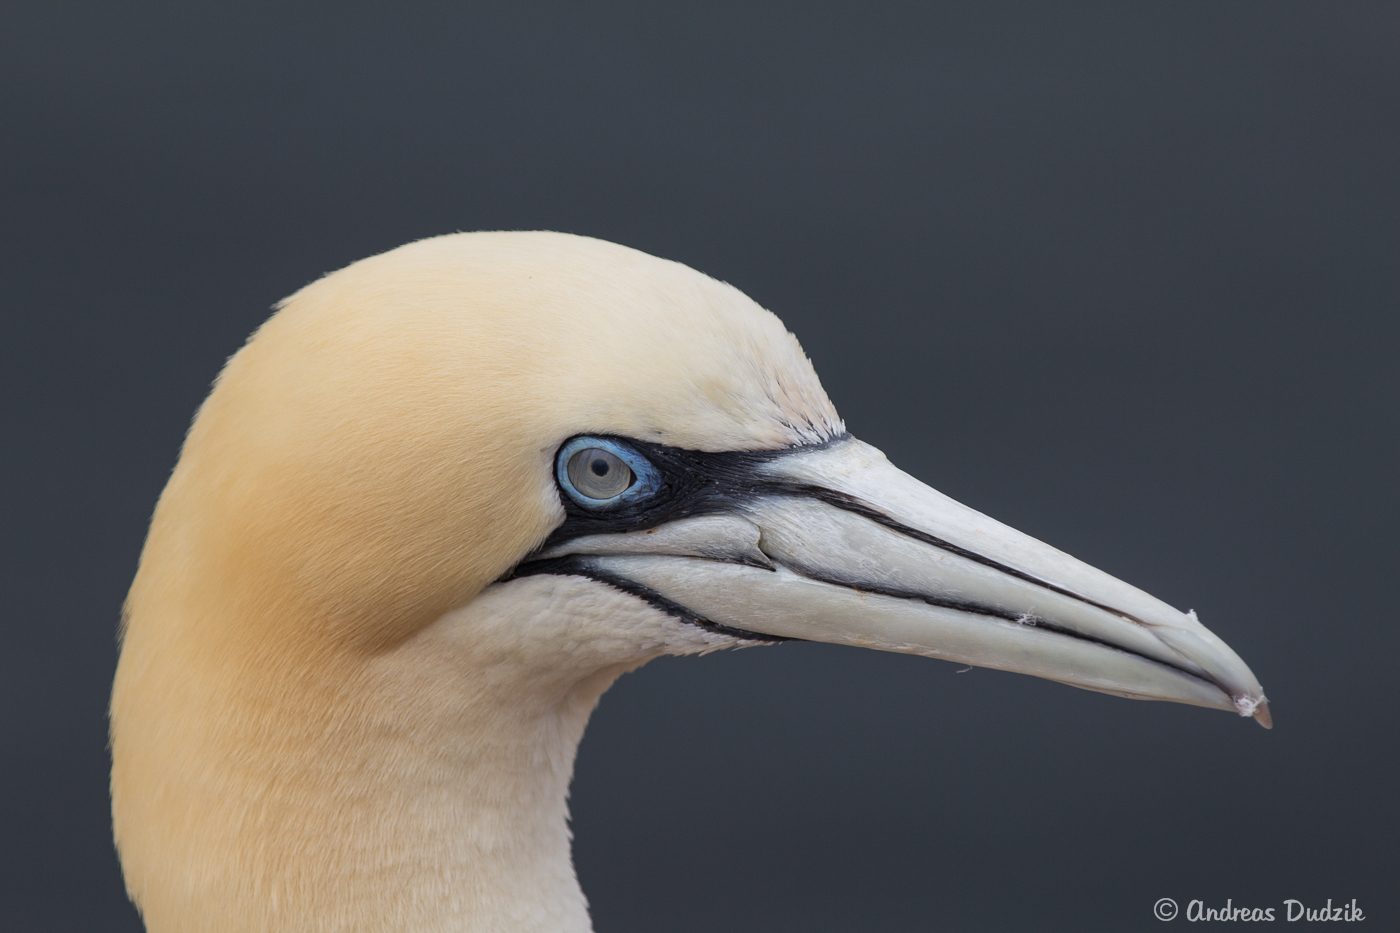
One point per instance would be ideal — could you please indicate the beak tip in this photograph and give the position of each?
(1256, 706)
(1261, 715)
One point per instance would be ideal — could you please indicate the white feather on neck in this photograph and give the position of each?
(438, 804)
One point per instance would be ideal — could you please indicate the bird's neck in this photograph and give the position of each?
(421, 789)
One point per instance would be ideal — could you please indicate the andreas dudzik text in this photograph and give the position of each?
(1290, 911)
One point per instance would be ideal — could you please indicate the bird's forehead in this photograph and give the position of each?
(557, 334)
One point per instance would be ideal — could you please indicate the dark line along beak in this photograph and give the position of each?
(835, 544)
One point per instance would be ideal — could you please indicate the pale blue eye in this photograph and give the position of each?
(601, 473)
(598, 473)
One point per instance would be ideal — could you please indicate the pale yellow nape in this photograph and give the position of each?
(322, 718)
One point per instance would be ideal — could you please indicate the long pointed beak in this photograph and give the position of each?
(835, 544)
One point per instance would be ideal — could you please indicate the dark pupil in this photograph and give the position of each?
(599, 467)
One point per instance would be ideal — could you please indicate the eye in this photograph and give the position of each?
(601, 473)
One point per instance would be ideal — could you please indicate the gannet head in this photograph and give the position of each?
(443, 497)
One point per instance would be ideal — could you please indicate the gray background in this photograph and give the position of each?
(1122, 275)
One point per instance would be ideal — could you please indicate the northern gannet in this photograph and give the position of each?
(441, 500)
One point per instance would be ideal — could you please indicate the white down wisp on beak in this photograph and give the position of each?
(833, 543)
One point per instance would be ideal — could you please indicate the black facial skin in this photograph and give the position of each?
(693, 482)
(697, 482)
